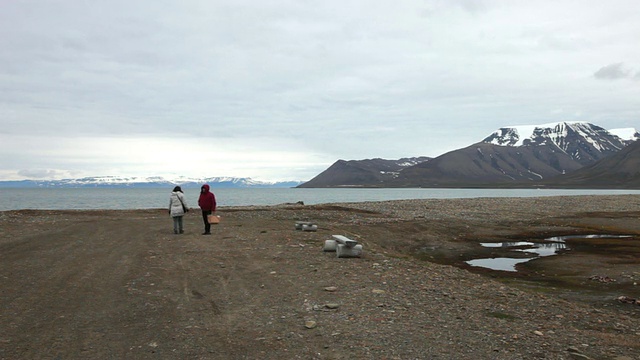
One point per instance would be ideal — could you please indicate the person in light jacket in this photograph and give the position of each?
(177, 208)
(207, 203)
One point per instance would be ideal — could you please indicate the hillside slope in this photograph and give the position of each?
(362, 173)
(487, 164)
(621, 170)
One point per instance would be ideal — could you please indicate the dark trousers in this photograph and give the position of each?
(207, 226)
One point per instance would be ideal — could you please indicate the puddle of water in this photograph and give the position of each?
(501, 263)
(509, 264)
(551, 246)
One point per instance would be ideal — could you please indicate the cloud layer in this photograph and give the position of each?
(281, 89)
(615, 72)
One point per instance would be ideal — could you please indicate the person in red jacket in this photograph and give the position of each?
(207, 203)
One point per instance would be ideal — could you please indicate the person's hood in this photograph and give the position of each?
(205, 187)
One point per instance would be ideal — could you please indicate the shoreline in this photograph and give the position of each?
(301, 203)
(131, 199)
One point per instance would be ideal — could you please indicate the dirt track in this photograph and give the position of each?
(121, 285)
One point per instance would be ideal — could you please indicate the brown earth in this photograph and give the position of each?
(121, 285)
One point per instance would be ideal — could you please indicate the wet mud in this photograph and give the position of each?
(595, 268)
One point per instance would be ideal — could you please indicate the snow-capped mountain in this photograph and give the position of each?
(149, 182)
(511, 156)
(535, 134)
(519, 154)
(583, 142)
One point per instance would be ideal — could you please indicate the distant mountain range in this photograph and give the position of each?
(518, 156)
(565, 154)
(148, 182)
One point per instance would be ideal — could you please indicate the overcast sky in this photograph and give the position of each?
(279, 90)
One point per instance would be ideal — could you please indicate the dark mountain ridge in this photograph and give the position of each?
(510, 157)
(485, 164)
(362, 173)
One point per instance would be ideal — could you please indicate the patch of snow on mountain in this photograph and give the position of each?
(512, 135)
(408, 163)
(503, 137)
(626, 134)
(524, 132)
(587, 133)
(110, 180)
(556, 132)
(536, 174)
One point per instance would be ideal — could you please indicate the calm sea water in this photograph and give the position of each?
(144, 198)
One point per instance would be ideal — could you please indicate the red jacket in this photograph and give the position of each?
(207, 200)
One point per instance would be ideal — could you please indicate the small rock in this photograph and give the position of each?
(378, 291)
(310, 324)
(573, 349)
(332, 306)
(579, 356)
(330, 288)
(539, 333)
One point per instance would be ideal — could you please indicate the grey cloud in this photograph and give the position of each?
(613, 72)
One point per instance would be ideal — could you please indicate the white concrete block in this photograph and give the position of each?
(344, 251)
(301, 224)
(329, 246)
(306, 227)
(344, 240)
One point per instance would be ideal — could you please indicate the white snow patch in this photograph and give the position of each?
(536, 174)
(625, 133)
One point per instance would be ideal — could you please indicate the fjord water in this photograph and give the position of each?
(146, 198)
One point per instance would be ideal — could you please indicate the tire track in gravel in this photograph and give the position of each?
(217, 285)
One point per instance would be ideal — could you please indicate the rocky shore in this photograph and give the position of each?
(121, 285)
